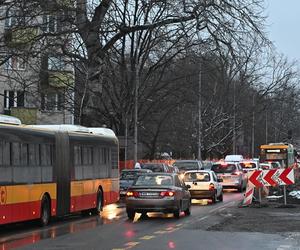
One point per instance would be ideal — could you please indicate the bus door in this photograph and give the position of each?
(62, 173)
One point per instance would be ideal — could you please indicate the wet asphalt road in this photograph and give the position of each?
(113, 231)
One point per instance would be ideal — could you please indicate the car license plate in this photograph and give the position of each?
(148, 194)
(123, 192)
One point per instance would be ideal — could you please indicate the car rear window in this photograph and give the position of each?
(197, 177)
(274, 165)
(185, 166)
(223, 168)
(129, 175)
(265, 166)
(248, 165)
(153, 167)
(154, 180)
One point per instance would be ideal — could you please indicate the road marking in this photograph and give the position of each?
(283, 247)
(179, 225)
(224, 206)
(160, 232)
(203, 218)
(132, 243)
(118, 248)
(147, 237)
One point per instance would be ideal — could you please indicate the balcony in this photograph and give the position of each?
(18, 37)
(60, 79)
(26, 115)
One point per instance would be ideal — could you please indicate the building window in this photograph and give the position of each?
(15, 63)
(11, 18)
(53, 101)
(49, 24)
(56, 63)
(13, 99)
(15, 17)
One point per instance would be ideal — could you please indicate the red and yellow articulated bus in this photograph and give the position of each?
(49, 171)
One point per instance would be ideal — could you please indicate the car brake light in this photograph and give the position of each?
(211, 186)
(167, 193)
(132, 194)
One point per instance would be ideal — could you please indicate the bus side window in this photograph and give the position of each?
(19, 171)
(46, 162)
(16, 154)
(104, 168)
(114, 158)
(87, 162)
(34, 168)
(96, 163)
(5, 169)
(78, 163)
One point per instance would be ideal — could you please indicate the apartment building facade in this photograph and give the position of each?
(36, 78)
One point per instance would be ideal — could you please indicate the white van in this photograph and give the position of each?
(235, 158)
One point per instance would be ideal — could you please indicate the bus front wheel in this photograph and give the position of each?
(45, 212)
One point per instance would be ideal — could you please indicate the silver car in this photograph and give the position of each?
(158, 192)
(232, 174)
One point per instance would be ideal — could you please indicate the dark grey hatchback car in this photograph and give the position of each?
(158, 192)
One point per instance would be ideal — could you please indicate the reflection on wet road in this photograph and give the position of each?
(22, 234)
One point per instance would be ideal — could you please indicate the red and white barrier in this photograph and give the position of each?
(248, 196)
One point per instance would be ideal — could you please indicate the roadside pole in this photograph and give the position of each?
(259, 195)
(284, 195)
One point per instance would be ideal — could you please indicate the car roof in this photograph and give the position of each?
(198, 171)
(152, 163)
(186, 161)
(136, 170)
(161, 173)
(226, 162)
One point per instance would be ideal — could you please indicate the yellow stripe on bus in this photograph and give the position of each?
(91, 186)
(28, 193)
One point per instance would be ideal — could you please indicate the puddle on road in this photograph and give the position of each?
(70, 224)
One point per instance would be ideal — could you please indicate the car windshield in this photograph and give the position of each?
(185, 166)
(154, 180)
(197, 177)
(223, 168)
(248, 165)
(129, 175)
(153, 167)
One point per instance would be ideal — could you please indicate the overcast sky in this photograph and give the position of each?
(284, 26)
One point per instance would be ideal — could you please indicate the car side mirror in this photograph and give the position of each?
(187, 186)
(220, 180)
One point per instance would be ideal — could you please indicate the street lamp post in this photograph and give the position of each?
(136, 92)
(253, 127)
(234, 122)
(199, 112)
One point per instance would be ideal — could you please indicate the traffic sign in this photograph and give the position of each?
(254, 178)
(272, 177)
